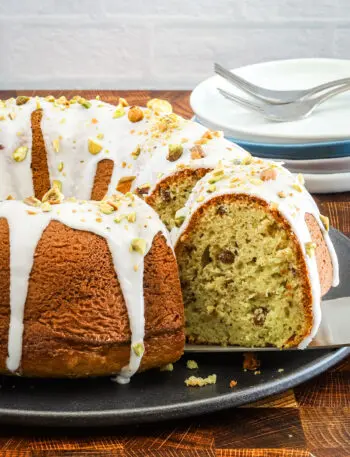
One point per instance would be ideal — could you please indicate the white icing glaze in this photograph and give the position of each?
(67, 129)
(26, 230)
(245, 179)
(154, 167)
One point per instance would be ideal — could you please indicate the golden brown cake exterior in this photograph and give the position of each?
(76, 323)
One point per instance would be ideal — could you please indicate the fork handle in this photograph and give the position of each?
(331, 93)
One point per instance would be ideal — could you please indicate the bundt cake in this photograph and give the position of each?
(91, 288)
(93, 148)
(86, 288)
(254, 257)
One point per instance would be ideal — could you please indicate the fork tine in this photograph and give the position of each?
(240, 100)
(236, 80)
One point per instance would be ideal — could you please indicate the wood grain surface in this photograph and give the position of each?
(312, 420)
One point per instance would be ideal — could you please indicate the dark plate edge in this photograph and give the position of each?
(175, 411)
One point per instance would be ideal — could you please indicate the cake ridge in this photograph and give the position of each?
(129, 241)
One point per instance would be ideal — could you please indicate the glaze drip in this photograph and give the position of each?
(26, 227)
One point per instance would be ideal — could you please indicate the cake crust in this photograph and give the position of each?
(76, 323)
(323, 258)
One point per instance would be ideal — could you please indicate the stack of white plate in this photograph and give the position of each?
(318, 146)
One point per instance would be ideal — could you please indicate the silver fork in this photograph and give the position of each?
(275, 96)
(285, 112)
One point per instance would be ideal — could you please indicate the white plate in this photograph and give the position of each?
(327, 183)
(329, 122)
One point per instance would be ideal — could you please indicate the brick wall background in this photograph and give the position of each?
(132, 44)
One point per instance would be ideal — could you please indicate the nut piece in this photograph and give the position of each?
(144, 189)
(270, 174)
(194, 381)
(138, 245)
(122, 102)
(94, 146)
(282, 194)
(136, 152)
(175, 151)
(56, 145)
(167, 367)
(325, 222)
(139, 349)
(192, 364)
(135, 114)
(60, 166)
(20, 154)
(297, 187)
(32, 201)
(56, 183)
(119, 112)
(159, 106)
(131, 217)
(197, 152)
(105, 207)
(22, 100)
(46, 207)
(310, 248)
(83, 102)
(54, 196)
(124, 184)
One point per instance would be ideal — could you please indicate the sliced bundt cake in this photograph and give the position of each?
(86, 288)
(254, 257)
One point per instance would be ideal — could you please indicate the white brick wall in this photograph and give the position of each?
(158, 44)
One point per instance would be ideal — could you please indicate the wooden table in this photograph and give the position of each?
(310, 420)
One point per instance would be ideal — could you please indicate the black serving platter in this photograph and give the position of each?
(155, 395)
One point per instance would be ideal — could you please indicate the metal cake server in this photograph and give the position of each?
(334, 331)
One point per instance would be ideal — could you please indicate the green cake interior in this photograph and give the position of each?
(242, 279)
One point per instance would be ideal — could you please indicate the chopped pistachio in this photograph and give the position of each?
(211, 188)
(46, 207)
(167, 367)
(175, 151)
(325, 222)
(32, 201)
(85, 103)
(297, 187)
(20, 153)
(192, 364)
(247, 160)
(200, 198)
(138, 245)
(60, 166)
(122, 102)
(22, 100)
(12, 115)
(118, 219)
(106, 208)
(2, 118)
(57, 184)
(282, 194)
(310, 248)
(193, 381)
(119, 112)
(50, 98)
(179, 220)
(301, 179)
(131, 217)
(94, 147)
(53, 196)
(100, 136)
(159, 106)
(136, 152)
(138, 349)
(56, 145)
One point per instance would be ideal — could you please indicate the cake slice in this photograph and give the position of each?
(254, 258)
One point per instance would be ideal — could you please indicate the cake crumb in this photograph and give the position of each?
(251, 361)
(192, 364)
(194, 381)
(167, 367)
(233, 383)
(280, 370)
(257, 372)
